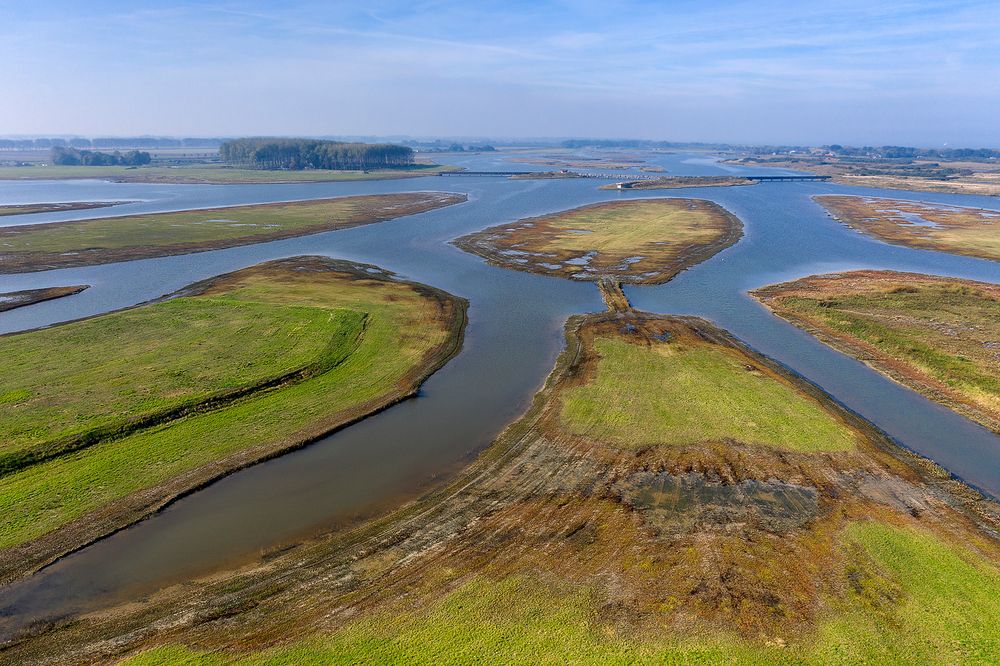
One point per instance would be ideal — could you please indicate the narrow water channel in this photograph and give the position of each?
(514, 334)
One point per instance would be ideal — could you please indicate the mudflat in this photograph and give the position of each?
(960, 230)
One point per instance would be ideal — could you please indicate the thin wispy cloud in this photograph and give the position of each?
(803, 72)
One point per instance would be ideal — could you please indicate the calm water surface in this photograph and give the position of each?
(514, 334)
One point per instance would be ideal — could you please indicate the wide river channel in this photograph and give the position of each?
(514, 334)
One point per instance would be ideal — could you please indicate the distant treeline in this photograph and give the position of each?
(114, 143)
(73, 157)
(880, 152)
(867, 152)
(907, 152)
(295, 154)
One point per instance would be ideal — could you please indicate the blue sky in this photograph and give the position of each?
(842, 71)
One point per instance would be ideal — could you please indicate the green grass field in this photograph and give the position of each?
(32, 247)
(61, 386)
(209, 174)
(917, 601)
(939, 335)
(253, 326)
(677, 393)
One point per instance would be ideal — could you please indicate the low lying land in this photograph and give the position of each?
(645, 241)
(28, 209)
(939, 336)
(921, 175)
(675, 182)
(17, 299)
(755, 523)
(38, 247)
(971, 231)
(105, 420)
(205, 174)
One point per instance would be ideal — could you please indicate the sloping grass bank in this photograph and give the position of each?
(37, 247)
(939, 336)
(234, 371)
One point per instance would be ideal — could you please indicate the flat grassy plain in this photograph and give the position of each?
(672, 395)
(105, 240)
(970, 231)
(646, 241)
(219, 175)
(28, 209)
(106, 419)
(554, 547)
(939, 336)
(17, 299)
(62, 389)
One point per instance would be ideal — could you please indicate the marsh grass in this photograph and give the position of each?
(311, 313)
(102, 240)
(916, 600)
(672, 394)
(938, 334)
(960, 230)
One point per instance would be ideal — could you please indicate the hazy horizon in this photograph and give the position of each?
(861, 73)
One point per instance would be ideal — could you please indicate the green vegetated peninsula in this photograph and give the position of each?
(671, 496)
(38, 247)
(725, 531)
(104, 420)
(939, 336)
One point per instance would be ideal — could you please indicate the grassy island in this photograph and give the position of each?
(17, 299)
(928, 226)
(104, 420)
(39, 247)
(646, 241)
(939, 336)
(212, 174)
(787, 532)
